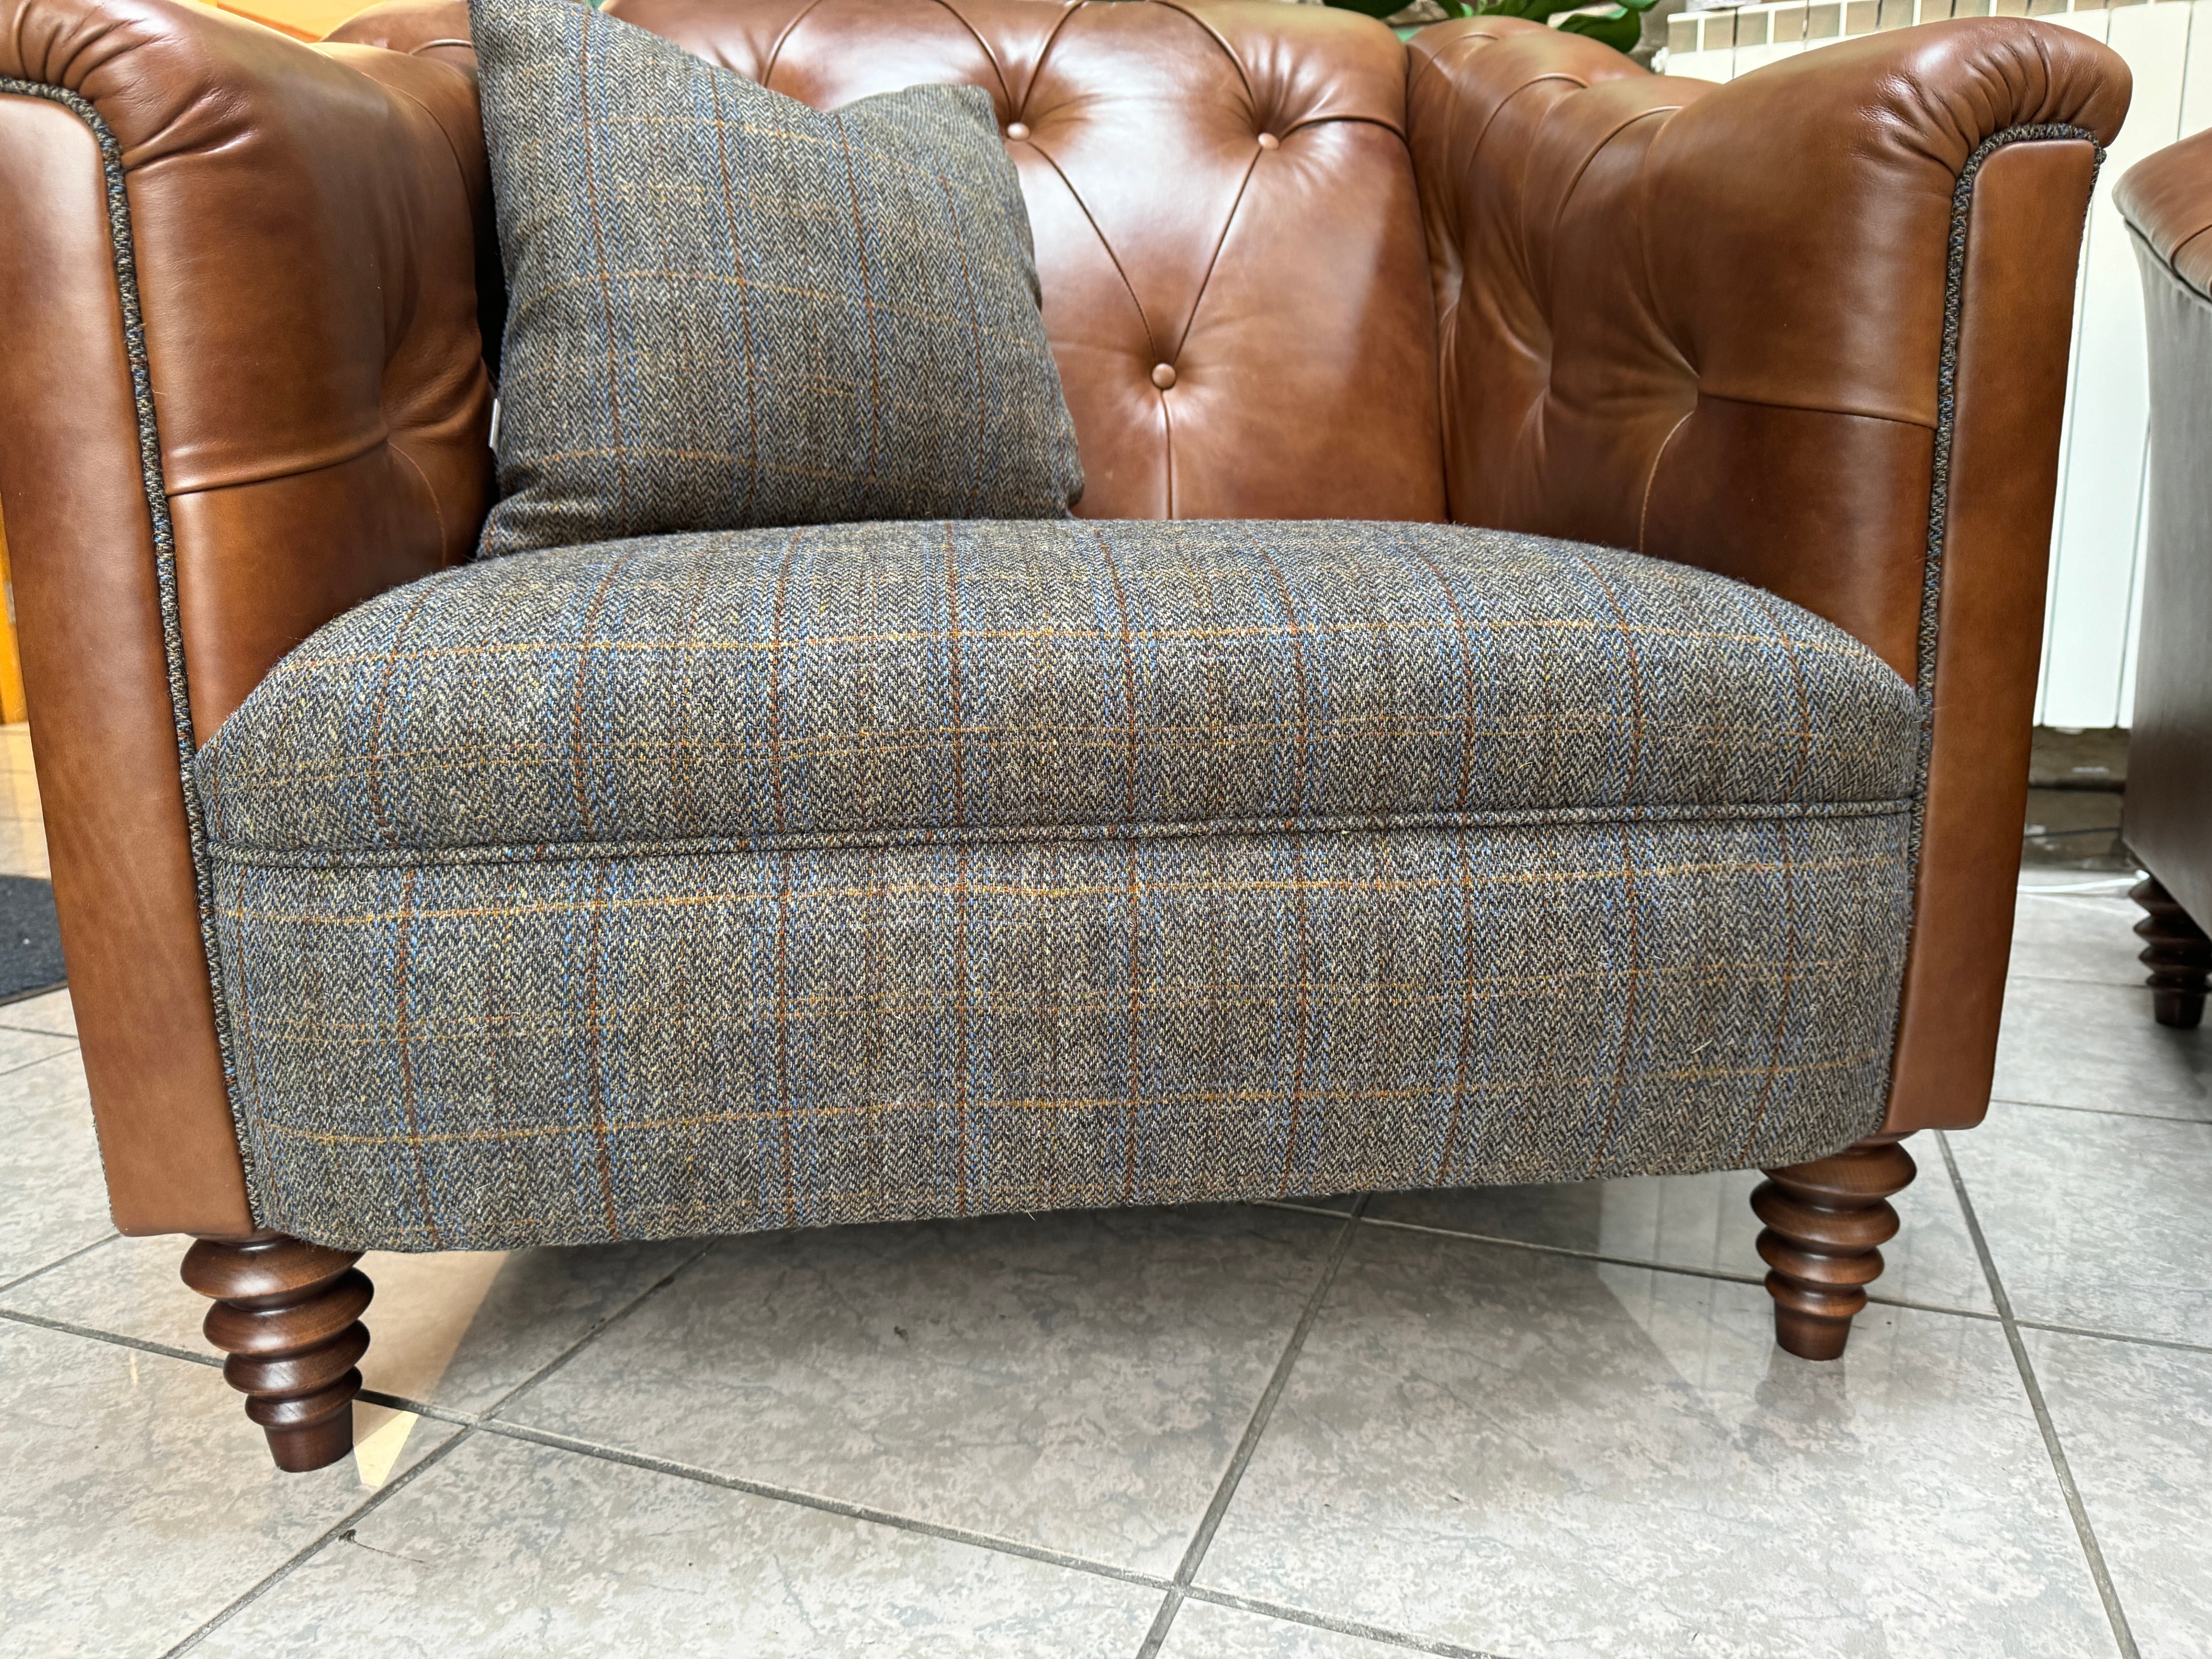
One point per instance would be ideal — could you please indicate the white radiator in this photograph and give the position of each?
(2097, 540)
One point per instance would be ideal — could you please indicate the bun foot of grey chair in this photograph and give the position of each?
(289, 1315)
(2177, 953)
(1825, 1223)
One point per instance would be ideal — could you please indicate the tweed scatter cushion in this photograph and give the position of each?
(729, 310)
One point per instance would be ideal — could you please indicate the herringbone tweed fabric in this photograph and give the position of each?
(709, 883)
(727, 309)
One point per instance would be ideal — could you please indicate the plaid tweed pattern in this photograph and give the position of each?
(728, 310)
(711, 883)
(936, 681)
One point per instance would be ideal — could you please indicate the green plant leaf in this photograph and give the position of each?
(1613, 27)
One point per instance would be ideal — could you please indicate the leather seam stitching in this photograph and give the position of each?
(776, 52)
(383, 441)
(2170, 263)
(1650, 478)
(1815, 409)
(989, 57)
(1219, 39)
(1082, 207)
(1044, 54)
(1213, 259)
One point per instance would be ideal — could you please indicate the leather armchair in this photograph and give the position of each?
(1808, 329)
(2167, 819)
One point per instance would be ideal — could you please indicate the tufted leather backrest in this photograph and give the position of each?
(1229, 237)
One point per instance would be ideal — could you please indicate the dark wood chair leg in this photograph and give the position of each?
(2178, 954)
(289, 1315)
(1825, 1221)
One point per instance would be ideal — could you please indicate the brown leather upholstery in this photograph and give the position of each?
(1282, 285)
(1702, 321)
(2166, 199)
(305, 234)
(2167, 818)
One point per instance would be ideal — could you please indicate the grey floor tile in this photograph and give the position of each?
(1535, 1455)
(53, 1198)
(1705, 1222)
(19, 1048)
(52, 1013)
(23, 848)
(458, 1330)
(2073, 1044)
(2095, 1221)
(1206, 1630)
(139, 1500)
(2077, 936)
(507, 1548)
(1073, 1382)
(2136, 1423)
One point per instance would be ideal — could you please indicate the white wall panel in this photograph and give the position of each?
(2095, 554)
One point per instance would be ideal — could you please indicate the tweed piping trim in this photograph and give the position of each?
(165, 556)
(231, 854)
(1946, 387)
(1939, 491)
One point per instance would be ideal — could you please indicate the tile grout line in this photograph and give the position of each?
(2097, 1571)
(1291, 1615)
(58, 1262)
(837, 1506)
(600, 1330)
(71, 1046)
(470, 1423)
(2099, 1111)
(434, 1456)
(1248, 1443)
(2057, 1329)
(340, 1527)
(1726, 1275)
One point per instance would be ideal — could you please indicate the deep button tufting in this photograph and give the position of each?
(1268, 141)
(1163, 375)
(1159, 237)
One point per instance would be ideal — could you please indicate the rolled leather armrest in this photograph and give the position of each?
(2166, 199)
(242, 391)
(1809, 328)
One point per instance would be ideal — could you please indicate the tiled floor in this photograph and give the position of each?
(1525, 1422)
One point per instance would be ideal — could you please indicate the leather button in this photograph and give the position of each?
(1268, 141)
(1017, 129)
(1163, 375)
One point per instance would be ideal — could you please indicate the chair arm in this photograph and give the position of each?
(1809, 328)
(2166, 199)
(243, 391)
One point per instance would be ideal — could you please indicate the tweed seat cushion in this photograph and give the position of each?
(705, 882)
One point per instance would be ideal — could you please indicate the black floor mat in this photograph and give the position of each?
(30, 938)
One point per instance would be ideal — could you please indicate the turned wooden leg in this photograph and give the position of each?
(289, 1315)
(1824, 1222)
(2177, 953)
